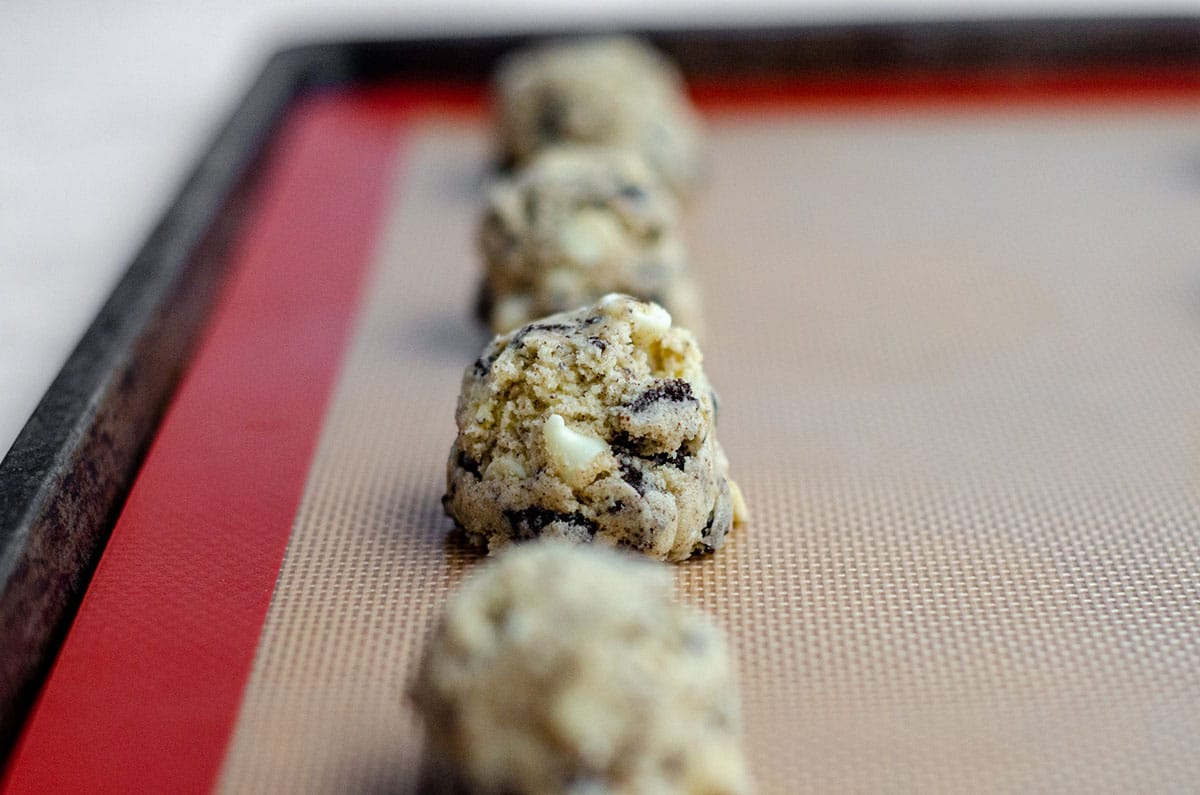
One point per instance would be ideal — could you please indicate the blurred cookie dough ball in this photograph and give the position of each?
(596, 425)
(560, 669)
(575, 224)
(606, 90)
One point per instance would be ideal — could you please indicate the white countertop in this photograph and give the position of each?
(105, 105)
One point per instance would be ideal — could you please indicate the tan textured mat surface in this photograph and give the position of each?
(959, 362)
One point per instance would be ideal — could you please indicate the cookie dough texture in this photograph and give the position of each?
(596, 426)
(560, 669)
(577, 223)
(606, 90)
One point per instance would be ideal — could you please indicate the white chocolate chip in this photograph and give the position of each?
(505, 467)
(650, 322)
(570, 449)
(741, 514)
(590, 237)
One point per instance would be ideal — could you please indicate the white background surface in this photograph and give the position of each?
(104, 106)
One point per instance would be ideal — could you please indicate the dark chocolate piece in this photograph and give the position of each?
(633, 476)
(677, 459)
(633, 193)
(674, 390)
(622, 442)
(528, 523)
(468, 464)
(519, 339)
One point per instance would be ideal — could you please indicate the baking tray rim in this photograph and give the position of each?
(65, 478)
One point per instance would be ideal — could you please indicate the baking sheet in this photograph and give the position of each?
(958, 351)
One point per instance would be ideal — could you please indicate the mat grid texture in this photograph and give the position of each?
(959, 365)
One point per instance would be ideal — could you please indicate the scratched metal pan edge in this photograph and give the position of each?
(65, 478)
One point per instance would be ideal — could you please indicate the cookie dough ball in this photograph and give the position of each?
(596, 426)
(559, 669)
(608, 90)
(577, 223)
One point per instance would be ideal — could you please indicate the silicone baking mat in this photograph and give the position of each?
(956, 333)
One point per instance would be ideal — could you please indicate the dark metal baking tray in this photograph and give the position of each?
(64, 480)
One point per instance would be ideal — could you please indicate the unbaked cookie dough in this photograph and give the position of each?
(607, 90)
(596, 425)
(559, 669)
(575, 224)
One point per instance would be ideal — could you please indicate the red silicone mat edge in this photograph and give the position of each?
(146, 689)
